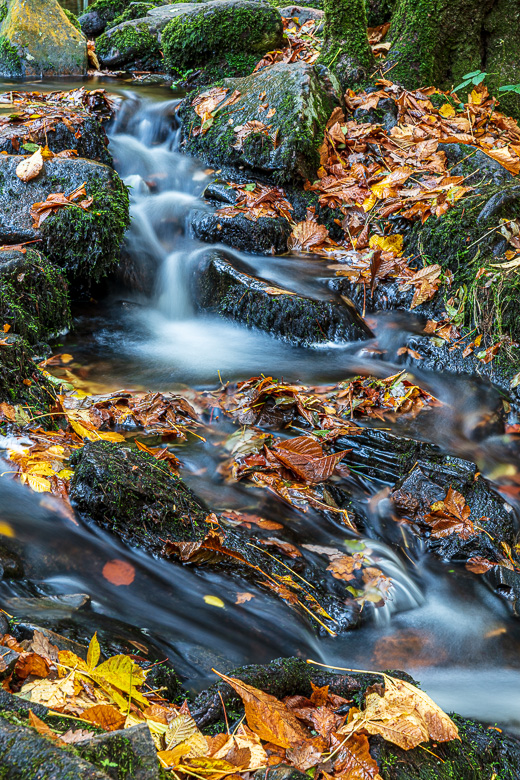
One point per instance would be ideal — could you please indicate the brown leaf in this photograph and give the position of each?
(268, 717)
(119, 572)
(31, 664)
(304, 456)
(306, 236)
(243, 597)
(452, 515)
(105, 716)
(40, 726)
(479, 565)
(355, 761)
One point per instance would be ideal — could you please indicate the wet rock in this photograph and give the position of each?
(66, 235)
(229, 36)
(126, 753)
(138, 499)
(302, 97)
(37, 38)
(236, 295)
(8, 659)
(81, 132)
(264, 236)
(99, 14)
(132, 45)
(33, 295)
(4, 623)
(11, 567)
(21, 382)
(26, 755)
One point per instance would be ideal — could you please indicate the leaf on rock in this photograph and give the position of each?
(306, 236)
(451, 515)
(355, 761)
(30, 167)
(105, 716)
(305, 457)
(40, 726)
(268, 717)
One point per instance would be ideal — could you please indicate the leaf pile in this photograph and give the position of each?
(257, 200)
(58, 200)
(39, 110)
(302, 44)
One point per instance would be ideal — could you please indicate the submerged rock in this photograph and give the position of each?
(33, 295)
(36, 38)
(83, 243)
(297, 101)
(236, 295)
(78, 130)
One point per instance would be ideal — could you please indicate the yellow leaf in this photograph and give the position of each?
(38, 484)
(475, 97)
(71, 660)
(447, 111)
(179, 730)
(6, 530)
(94, 652)
(65, 474)
(214, 601)
(393, 243)
(122, 672)
(42, 468)
(369, 202)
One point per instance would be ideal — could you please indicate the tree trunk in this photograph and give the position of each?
(345, 49)
(439, 41)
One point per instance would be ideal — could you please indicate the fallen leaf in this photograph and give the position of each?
(119, 572)
(30, 167)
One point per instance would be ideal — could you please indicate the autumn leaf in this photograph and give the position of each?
(179, 730)
(30, 167)
(93, 652)
(119, 572)
(305, 457)
(355, 762)
(268, 717)
(451, 515)
(105, 716)
(40, 726)
(306, 236)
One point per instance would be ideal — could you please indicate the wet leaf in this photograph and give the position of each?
(451, 515)
(93, 652)
(119, 572)
(214, 601)
(105, 716)
(40, 726)
(30, 168)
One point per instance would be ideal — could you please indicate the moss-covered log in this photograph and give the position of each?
(345, 47)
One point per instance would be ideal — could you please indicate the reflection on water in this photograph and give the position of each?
(442, 623)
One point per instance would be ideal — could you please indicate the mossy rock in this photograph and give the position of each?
(236, 295)
(83, 243)
(210, 31)
(79, 130)
(131, 45)
(99, 14)
(379, 11)
(33, 295)
(21, 382)
(302, 97)
(37, 37)
(73, 19)
(136, 10)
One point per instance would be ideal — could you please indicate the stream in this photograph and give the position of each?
(442, 624)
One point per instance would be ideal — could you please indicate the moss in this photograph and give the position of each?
(199, 38)
(21, 383)
(33, 297)
(3, 10)
(10, 62)
(108, 9)
(134, 42)
(86, 244)
(345, 47)
(73, 19)
(379, 11)
(134, 11)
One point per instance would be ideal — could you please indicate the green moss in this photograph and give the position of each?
(108, 9)
(379, 11)
(3, 10)
(10, 62)
(73, 19)
(345, 47)
(21, 382)
(134, 11)
(135, 43)
(33, 297)
(204, 37)
(86, 244)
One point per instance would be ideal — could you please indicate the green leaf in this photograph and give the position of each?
(462, 86)
(250, 187)
(479, 79)
(473, 74)
(30, 147)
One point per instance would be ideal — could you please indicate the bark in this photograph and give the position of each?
(345, 48)
(439, 41)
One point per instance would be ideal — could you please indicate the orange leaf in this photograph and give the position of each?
(105, 716)
(119, 572)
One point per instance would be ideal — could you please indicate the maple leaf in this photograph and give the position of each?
(451, 515)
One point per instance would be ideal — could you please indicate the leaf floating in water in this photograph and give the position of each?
(214, 601)
(119, 572)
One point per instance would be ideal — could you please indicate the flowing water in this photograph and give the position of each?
(441, 623)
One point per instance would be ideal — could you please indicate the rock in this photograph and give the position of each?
(281, 772)
(236, 295)
(301, 13)
(4, 626)
(78, 130)
(67, 234)
(264, 236)
(21, 382)
(99, 14)
(37, 38)
(133, 45)
(131, 750)
(220, 34)
(11, 568)
(137, 498)
(136, 10)
(33, 295)
(26, 755)
(8, 659)
(303, 100)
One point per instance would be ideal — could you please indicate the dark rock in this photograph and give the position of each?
(26, 755)
(229, 36)
(264, 236)
(137, 498)
(302, 13)
(85, 244)
(132, 45)
(21, 382)
(11, 567)
(4, 626)
(81, 132)
(303, 101)
(8, 659)
(33, 295)
(99, 14)
(131, 750)
(236, 295)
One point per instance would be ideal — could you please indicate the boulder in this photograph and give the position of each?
(99, 14)
(83, 243)
(293, 103)
(222, 288)
(131, 747)
(36, 38)
(60, 128)
(301, 13)
(136, 10)
(33, 295)
(132, 45)
(227, 37)
(264, 236)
